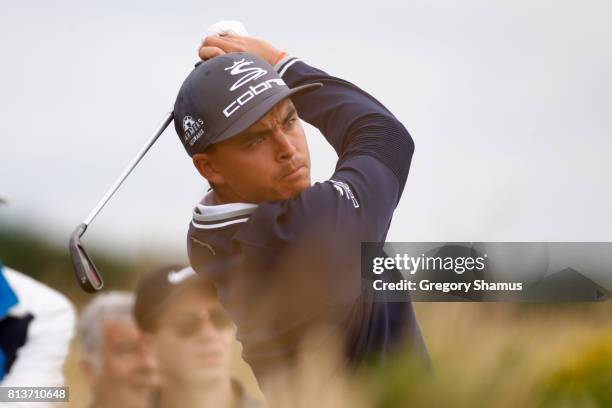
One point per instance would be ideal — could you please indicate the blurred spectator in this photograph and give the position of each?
(193, 338)
(36, 326)
(117, 361)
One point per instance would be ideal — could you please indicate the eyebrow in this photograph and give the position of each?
(256, 133)
(290, 112)
(253, 134)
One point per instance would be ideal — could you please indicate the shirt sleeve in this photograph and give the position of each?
(352, 121)
(374, 150)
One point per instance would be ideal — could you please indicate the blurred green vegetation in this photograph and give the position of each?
(484, 354)
(583, 378)
(503, 355)
(31, 253)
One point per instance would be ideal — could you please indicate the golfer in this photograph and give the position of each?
(283, 252)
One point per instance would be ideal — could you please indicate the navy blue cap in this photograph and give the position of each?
(225, 95)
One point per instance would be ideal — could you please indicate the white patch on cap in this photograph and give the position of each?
(193, 129)
(176, 277)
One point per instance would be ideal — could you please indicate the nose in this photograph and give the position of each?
(148, 361)
(207, 329)
(285, 148)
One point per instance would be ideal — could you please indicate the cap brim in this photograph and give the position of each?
(259, 110)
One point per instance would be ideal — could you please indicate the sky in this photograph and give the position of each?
(508, 103)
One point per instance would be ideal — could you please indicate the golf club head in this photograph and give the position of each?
(85, 270)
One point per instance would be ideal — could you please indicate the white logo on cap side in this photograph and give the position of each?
(251, 74)
(176, 277)
(193, 129)
(188, 123)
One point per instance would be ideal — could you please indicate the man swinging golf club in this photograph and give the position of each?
(238, 116)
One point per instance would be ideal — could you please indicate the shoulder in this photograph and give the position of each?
(35, 297)
(274, 223)
(361, 191)
(211, 247)
(242, 399)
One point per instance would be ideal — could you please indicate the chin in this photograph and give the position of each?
(292, 193)
(138, 397)
(208, 376)
(292, 190)
(299, 187)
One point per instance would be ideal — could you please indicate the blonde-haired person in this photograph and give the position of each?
(193, 338)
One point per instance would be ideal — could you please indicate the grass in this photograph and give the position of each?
(484, 355)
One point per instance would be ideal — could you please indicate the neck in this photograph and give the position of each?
(217, 394)
(220, 196)
(231, 197)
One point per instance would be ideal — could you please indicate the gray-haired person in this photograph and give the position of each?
(118, 364)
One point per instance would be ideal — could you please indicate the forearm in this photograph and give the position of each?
(352, 121)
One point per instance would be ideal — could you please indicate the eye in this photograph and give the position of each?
(291, 122)
(186, 327)
(220, 319)
(126, 348)
(256, 140)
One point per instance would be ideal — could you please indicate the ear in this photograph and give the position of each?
(204, 163)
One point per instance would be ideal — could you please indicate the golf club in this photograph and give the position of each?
(87, 275)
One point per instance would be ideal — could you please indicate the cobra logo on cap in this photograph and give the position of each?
(250, 74)
(241, 67)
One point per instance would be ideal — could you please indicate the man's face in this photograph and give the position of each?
(267, 162)
(127, 365)
(193, 340)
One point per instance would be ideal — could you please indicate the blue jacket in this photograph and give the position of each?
(13, 329)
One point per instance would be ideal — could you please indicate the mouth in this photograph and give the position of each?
(143, 384)
(209, 357)
(294, 173)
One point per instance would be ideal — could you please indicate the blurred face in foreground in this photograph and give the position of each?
(126, 375)
(193, 340)
(269, 161)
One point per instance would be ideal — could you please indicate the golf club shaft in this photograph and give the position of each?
(129, 168)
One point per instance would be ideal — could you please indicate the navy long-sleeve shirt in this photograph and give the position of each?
(282, 267)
